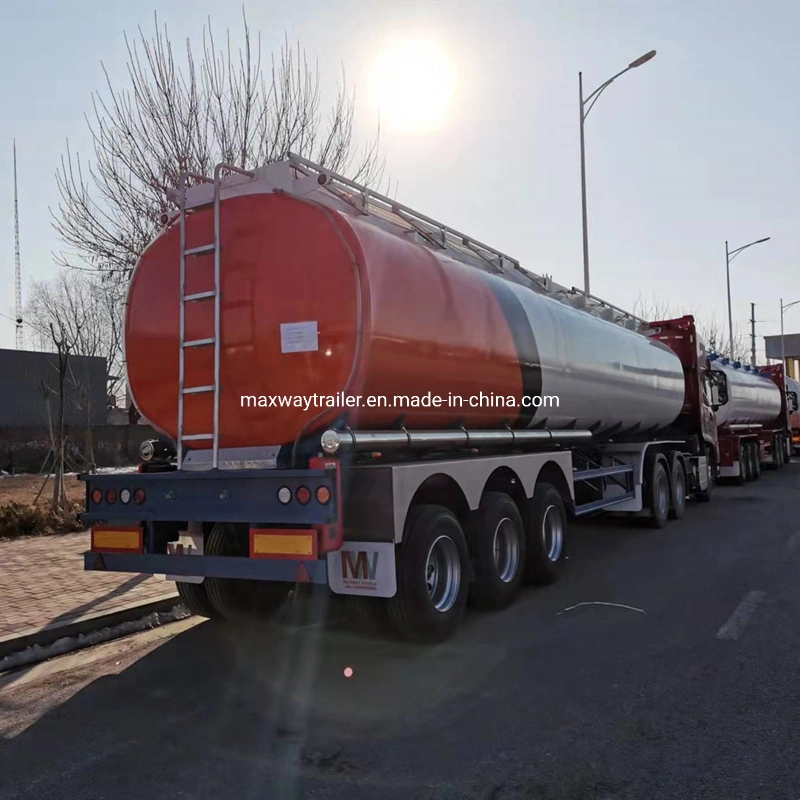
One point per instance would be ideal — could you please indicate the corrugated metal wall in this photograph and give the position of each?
(29, 382)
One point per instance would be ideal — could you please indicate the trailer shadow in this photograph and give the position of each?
(272, 704)
(267, 711)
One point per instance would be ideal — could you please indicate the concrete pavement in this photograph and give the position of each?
(45, 593)
(697, 697)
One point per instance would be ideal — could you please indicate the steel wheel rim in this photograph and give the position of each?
(506, 550)
(443, 573)
(553, 533)
(662, 493)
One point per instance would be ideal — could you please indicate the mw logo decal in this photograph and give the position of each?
(360, 565)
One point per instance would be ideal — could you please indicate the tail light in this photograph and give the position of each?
(139, 497)
(111, 496)
(323, 495)
(303, 495)
(97, 496)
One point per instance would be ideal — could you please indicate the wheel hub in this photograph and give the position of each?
(443, 573)
(553, 533)
(506, 550)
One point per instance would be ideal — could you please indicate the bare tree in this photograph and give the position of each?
(655, 309)
(88, 310)
(711, 333)
(225, 107)
(77, 314)
(717, 340)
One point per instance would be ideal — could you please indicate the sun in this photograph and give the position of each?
(413, 83)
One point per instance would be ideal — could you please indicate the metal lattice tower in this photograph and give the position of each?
(17, 268)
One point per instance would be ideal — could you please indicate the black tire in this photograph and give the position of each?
(413, 611)
(756, 461)
(546, 535)
(498, 525)
(776, 455)
(677, 506)
(195, 597)
(658, 493)
(235, 599)
(741, 478)
(780, 451)
(705, 495)
(747, 462)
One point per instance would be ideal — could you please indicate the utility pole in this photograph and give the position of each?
(752, 334)
(584, 112)
(17, 268)
(729, 256)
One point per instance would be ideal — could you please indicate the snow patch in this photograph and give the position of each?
(37, 653)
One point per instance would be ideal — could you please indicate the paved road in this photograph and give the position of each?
(696, 698)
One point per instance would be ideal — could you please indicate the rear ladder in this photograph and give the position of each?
(215, 338)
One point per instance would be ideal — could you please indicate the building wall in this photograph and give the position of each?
(29, 385)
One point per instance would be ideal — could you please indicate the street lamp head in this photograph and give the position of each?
(763, 240)
(642, 60)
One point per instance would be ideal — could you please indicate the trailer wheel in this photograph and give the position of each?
(498, 552)
(658, 494)
(756, 460)
(547, 525)
(677, 488)
(195, 597)
(775, 462)
(779, 450)
(432, 576)
(747, 462)
(235, 599)
(705, 495)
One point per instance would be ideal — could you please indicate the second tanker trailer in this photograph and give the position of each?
(754, 426)
(352, 394)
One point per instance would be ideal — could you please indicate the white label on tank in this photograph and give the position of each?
(365, 568)
(299, 337)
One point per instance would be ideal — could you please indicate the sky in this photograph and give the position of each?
(698, 146)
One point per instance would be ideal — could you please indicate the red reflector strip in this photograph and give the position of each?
(117, 539)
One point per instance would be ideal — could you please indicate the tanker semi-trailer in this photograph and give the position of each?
(754, 427)
(292, 281)
(793, 401)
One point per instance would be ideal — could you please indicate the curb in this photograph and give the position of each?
(85, 624)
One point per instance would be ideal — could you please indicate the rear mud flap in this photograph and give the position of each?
(363, 568)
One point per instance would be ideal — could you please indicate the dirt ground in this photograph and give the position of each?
(24, 488)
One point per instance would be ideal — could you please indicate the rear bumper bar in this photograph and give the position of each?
(245, 496)
(286, 570)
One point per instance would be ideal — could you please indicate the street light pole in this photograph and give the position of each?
(783, 345)
(730, 314)
(583, 193)
(584, 112)
(729, 256)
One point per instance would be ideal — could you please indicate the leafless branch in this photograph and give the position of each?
(174, 115)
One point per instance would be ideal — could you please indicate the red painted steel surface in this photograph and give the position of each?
(428, 324)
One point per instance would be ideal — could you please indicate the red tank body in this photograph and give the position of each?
(427, 324)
